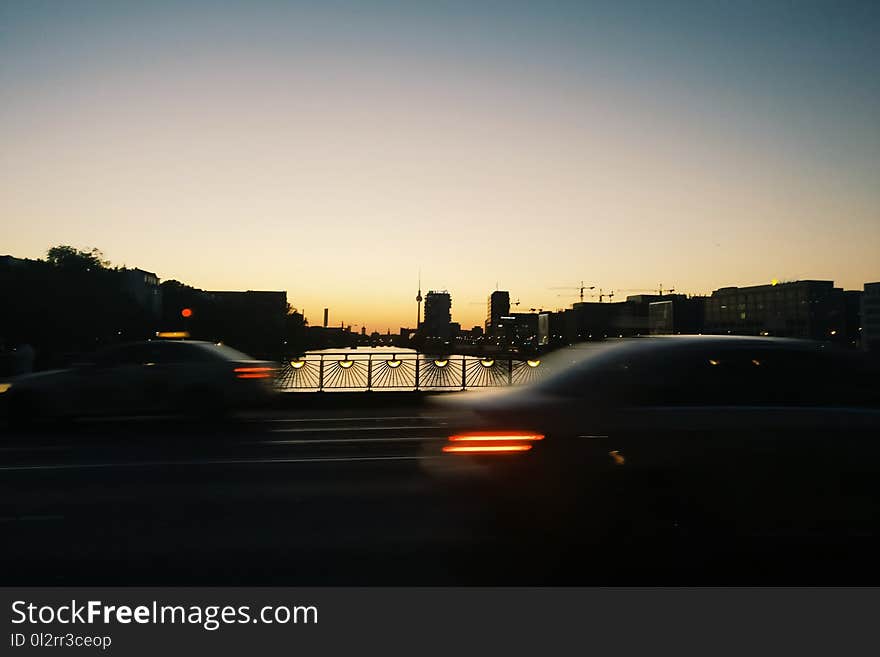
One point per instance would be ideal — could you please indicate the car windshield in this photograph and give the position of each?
(570, 369)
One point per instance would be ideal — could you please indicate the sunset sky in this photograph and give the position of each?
(332, 149)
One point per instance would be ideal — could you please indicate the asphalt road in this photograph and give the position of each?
(318, 497)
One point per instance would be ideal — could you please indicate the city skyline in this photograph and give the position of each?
(333, 151)
(510, 303)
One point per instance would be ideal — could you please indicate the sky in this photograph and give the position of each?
(336, 149)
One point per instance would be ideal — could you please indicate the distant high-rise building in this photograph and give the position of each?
(419, 302)
(499, 305)
(326, 316)
(438, 314)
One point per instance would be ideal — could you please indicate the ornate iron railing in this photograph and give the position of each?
(351, 371)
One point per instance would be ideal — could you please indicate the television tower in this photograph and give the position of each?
(419, 302)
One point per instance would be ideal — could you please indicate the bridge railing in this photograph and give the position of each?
(345, 371)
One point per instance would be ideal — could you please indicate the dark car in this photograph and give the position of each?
(157, 376)
(677, 434)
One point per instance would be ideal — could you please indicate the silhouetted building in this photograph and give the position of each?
(870, 317)
(253, 321)
(438, 315)
(143, 287)
(12, 261)
(556, 322)
(330, 337)
(852, 322)
(800, 309)
(326, 317)
(544, 329)
(590, 320)
(678, 315)
(632, 317)
(499, 305)
(518, 329)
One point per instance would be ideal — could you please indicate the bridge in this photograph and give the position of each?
(352, 371)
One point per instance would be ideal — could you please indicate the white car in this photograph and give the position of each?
(188, 376)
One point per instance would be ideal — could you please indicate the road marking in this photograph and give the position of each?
(238, 443)
(354, 419)
(141, 464)
(338, 429)
(321, 441)
(34, 448)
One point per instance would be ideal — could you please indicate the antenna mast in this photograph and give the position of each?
(419, 302)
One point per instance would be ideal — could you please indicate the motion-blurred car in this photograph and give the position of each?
(192, 377)
(749, 435)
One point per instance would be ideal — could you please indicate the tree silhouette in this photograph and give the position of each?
(72, 259)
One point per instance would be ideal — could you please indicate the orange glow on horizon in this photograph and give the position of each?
(349, 152)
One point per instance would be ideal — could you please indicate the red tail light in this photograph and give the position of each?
(492, 442)
(253, 372)
(486, 449)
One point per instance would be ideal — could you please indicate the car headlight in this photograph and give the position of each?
(4, 387)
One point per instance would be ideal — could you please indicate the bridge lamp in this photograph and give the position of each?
(297, 364)
(345, 364)
(533, 363)
(487, 363)
(441, 362)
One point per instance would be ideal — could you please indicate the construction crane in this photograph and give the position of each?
(483, 303)
(581, 289)
(601, 295)
(657, 290)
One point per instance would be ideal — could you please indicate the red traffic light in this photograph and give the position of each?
(186, 312)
